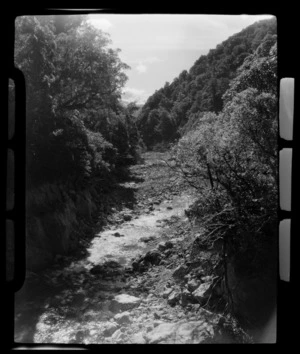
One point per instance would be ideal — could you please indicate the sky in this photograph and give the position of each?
(159, 47)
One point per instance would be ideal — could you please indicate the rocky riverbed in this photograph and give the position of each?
(142, 278)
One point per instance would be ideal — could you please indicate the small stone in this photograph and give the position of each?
(117, 234)
(123, 318)
(127, 217)
(156, 316)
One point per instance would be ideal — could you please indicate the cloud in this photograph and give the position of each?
(141, 68)
(131, 94)
(100, 23)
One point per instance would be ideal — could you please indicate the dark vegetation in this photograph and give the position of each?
(220, 123)
(80, 137)
(175, 108)
(218, 120)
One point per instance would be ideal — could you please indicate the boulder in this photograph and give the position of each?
(152, 257)
(118, 336)
(138, 338)
(165, 294)
(173, 298)
(193, 284)
(149, 328)
(117, 234)
(135, 265)
(198, 272)
(187, 277)
(169, 244)
(127, 217)
(110, 329)
(147, 239)
(192, 332)
(207, 278)
(142, 266)
(186, 297)
(97, 269)
(156, 316)
(180, 271)
(162, 246)
(123, 318)
(203, 292)
(167, 252)
(124, 302)
(107, 269)
(157, 323)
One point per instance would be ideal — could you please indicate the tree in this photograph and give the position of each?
(231, 161)
(74, 83)
(202, 89)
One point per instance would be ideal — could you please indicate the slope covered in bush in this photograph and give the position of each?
(173, 109)
(230, 158)
(79, 135)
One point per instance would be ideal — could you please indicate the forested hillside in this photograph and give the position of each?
(223, 114)
(79, 135)
(171, 110)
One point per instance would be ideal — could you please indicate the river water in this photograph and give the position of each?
(69, 304)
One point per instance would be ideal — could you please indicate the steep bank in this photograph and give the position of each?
(51, 223)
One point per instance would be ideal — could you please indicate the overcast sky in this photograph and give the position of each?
(159, 47)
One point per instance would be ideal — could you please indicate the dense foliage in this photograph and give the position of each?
(78, 131)
(173, 109)
(227, 148)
